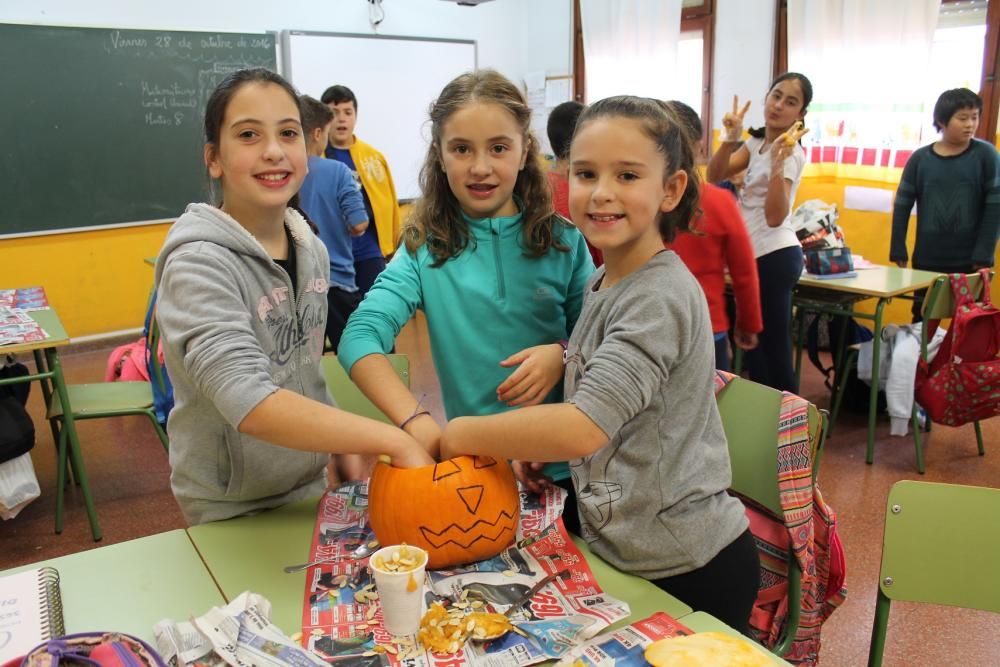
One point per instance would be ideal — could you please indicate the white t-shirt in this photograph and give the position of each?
(767, 239)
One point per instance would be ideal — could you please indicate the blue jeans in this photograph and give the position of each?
(366, 271)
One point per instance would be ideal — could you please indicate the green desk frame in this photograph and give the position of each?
(48, 372)
(839, 297)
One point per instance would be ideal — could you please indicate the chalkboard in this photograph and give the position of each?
(103, 126)
(395, 79)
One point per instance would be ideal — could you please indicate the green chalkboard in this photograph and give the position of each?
(103, 126)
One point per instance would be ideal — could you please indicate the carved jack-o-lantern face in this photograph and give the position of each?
(460, 510)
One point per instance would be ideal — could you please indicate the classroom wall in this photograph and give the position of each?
(97, 280)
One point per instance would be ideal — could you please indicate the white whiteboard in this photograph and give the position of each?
(394, 78)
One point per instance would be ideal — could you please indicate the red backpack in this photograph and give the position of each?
(962, 383)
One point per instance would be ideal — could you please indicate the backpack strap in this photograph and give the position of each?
(984, 273)
(960, 289)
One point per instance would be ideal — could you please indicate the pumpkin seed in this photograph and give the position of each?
(476, 604)
(453, 647)
(296, 636)
(369, 654)
(509, 573)
(316, 632)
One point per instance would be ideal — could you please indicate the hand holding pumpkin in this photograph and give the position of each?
(539, 370)
(529, 473)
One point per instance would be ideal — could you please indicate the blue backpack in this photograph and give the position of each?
(163, 390)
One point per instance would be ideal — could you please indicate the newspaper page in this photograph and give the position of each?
(239, 634)
(341, 624)
(16, 327)
(624, 647)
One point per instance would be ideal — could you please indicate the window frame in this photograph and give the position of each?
(700, 17)
(989, 87)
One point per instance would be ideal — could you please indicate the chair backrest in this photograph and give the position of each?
(939, 304)
(750, 418)
(941, 545)
(347, 395)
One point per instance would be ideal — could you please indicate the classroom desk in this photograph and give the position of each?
(248, 553)
(839, 296)
(699, 621)
(131, 586)
(50, 376)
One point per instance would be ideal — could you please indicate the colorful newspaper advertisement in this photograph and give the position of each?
(342, 619)
(624, 647)
(17, 327)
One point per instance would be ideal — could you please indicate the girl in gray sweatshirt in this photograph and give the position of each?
(640, 425)
(241, 304)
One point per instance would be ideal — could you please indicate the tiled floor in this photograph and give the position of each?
(129, 475)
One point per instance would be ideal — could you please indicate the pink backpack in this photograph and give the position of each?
(128, 363)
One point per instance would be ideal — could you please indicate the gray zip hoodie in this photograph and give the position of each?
(233, 334)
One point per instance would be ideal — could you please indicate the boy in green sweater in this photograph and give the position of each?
(955, 183)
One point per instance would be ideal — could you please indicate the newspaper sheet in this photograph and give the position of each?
(239, 634)
(624, 647)
(563, 614)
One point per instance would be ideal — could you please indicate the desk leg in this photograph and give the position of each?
(873, 391)
(73, 443)
(46, 385)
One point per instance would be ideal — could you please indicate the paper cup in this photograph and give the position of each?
(400, 593)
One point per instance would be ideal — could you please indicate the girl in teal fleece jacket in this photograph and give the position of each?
(499, 276)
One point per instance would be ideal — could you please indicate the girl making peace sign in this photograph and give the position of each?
(773, 160)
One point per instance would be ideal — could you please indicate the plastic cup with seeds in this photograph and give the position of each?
(399, 579)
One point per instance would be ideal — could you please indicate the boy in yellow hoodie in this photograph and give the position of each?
(372, 171)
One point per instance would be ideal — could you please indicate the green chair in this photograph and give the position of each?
(940, 546)
(939, 304)
(750, 418)
(347, 395)
(97, 401)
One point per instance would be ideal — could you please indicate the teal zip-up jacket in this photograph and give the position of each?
(482, 306)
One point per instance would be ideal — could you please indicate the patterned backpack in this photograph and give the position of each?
(962, 383)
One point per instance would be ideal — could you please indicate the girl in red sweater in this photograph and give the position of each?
(720, 241)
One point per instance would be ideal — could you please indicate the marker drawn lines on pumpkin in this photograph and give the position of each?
(481, 462)
(471, 496)
(445, 469)
(453, 533)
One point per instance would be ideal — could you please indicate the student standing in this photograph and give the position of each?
(773, 171)
(499, 276)
(242, 304)
(955, 183)
(641, 426)
(560, 126)
(332, 199)
(372, 171)
(718, 243)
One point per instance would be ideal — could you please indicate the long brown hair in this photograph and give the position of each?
(436, 219)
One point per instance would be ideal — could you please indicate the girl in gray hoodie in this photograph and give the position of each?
(242, 309)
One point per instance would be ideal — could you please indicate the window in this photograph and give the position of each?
(694, 59)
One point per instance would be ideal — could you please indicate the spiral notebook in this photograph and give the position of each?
(30, 611)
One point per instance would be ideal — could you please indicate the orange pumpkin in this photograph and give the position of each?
(460, 510)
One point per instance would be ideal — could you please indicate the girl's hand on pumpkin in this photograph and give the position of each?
(529, 474)
(539, 370)
(412, 455)
(426, 431)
